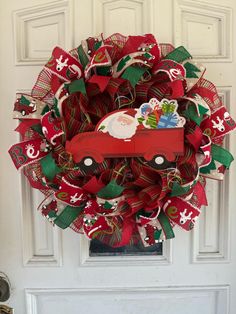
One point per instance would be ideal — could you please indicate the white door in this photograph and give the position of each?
(54, 272)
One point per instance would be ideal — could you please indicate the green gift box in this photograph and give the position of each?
(168, 108)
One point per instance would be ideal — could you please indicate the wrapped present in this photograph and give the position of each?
(169, 121)
(168, 108)
(152, 121)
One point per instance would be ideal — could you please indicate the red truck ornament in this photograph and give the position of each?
(27, 107)
(154, 131)
(24, 106)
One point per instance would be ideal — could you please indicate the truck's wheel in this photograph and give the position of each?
(23, 112)
(88, 164)
(160, 162)
(88, 161)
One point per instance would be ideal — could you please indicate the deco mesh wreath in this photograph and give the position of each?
(119, 134)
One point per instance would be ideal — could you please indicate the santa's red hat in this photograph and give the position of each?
(131, 112)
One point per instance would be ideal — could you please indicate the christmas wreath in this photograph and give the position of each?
(119, 134)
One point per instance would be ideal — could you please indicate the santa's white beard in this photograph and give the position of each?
(118, 130)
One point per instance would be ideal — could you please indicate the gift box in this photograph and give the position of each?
(168, 108)
(169, 121)
(152, 121)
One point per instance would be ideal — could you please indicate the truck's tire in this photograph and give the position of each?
(88, 161)
(88, 164)
(159, 162)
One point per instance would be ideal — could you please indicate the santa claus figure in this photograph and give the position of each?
(123, 125)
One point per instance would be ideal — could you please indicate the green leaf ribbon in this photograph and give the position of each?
(191, 113)
(221, 155)
(166, 226)
(49, 167)
(76, 86)
(133, 74)
(111, 190)
(178, 190)
(67, 216)
(191, 70)
(179, 55)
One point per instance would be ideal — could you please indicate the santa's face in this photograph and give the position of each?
(123, 126)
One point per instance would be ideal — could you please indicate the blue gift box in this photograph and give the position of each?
(169, 121)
